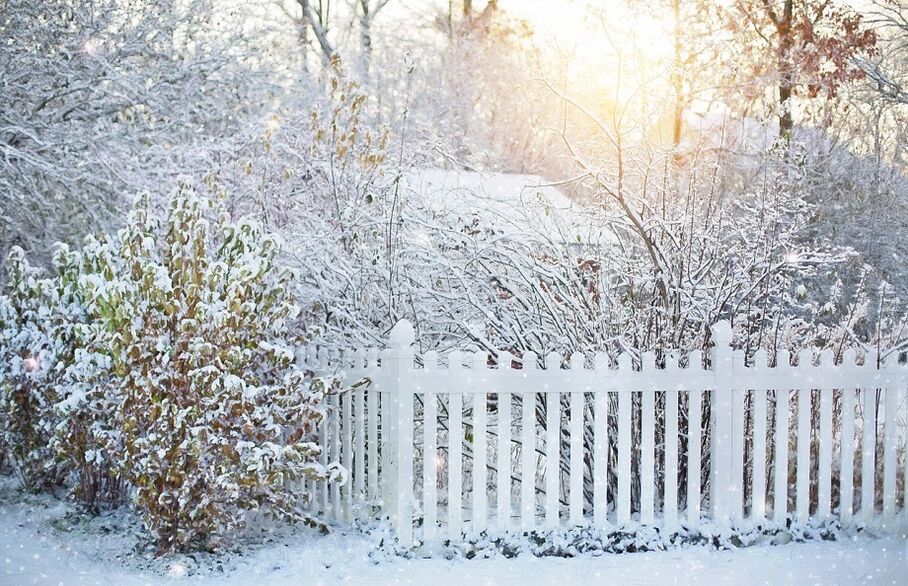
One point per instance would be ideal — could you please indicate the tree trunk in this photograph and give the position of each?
(319, 29)
(366, 37)
(676, 84)
(304, 34)
(786, 71)
(785, 120)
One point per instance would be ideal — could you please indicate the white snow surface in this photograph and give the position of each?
(513, 203)
(43, 541)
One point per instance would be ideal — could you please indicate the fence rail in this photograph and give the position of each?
(453, 450)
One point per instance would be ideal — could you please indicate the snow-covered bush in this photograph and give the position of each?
(52, 361)
(33, 317)
(86, 388)
(212, 417)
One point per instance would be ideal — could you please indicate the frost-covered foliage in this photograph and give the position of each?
(666, 251)
(213, 419)
(160, 362)
(105, 97)
(28, 343)
(44, 336)
(54, 376)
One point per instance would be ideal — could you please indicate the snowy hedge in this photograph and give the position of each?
(160, 360)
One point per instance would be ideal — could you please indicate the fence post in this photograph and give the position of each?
(721, 448)
(398, 367)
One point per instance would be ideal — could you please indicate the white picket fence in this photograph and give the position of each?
(456, 450)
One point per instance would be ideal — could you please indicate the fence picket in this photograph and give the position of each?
(528, 449)
(846, 478)
(575, 497)
(600, 447)
(359, 430)
(723, 416)
(480, 462)
(890, 441)
(503, 451)
(624, 445)
(824, 472)
(868, 450)
(781, 447)
(385, 457)
(346, 424)
(694, 442)
(758, 484)
(503, 482)
(552, 447)
(400, 369)
(647, 444)
(370, 431)
(430, 454)
(373, 416)
(802, 474)
(905, 462)
(455, 453)
(359, 450)
(670, 491)
(738, 414)
(335, 442)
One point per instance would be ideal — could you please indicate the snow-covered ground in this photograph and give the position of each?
(44, 542)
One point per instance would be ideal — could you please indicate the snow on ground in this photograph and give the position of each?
(44, 542)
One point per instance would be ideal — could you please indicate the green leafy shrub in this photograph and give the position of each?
(212, 416)
(160, 362)
(32, 317)
(52, 359)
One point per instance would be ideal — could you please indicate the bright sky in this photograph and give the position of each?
(579, 22)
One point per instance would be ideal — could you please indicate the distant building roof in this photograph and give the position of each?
(513, 203)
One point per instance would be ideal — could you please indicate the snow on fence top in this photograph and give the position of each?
(471, 447)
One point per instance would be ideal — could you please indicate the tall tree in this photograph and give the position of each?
(317, 20)
(368, 10)
(810, 44)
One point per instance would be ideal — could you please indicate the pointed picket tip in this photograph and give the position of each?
(625, 361)
(783, 359)
(529, 360)
(648, 361)
(850, 357)
(722, 333)
(805, 358)
(601, 361)
(504, 361)
(761, 358)
(402, 334)
(577, 361)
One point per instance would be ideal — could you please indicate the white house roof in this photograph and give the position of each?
(513, 203)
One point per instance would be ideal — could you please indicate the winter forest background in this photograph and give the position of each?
(730, 158)
(740, 160)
